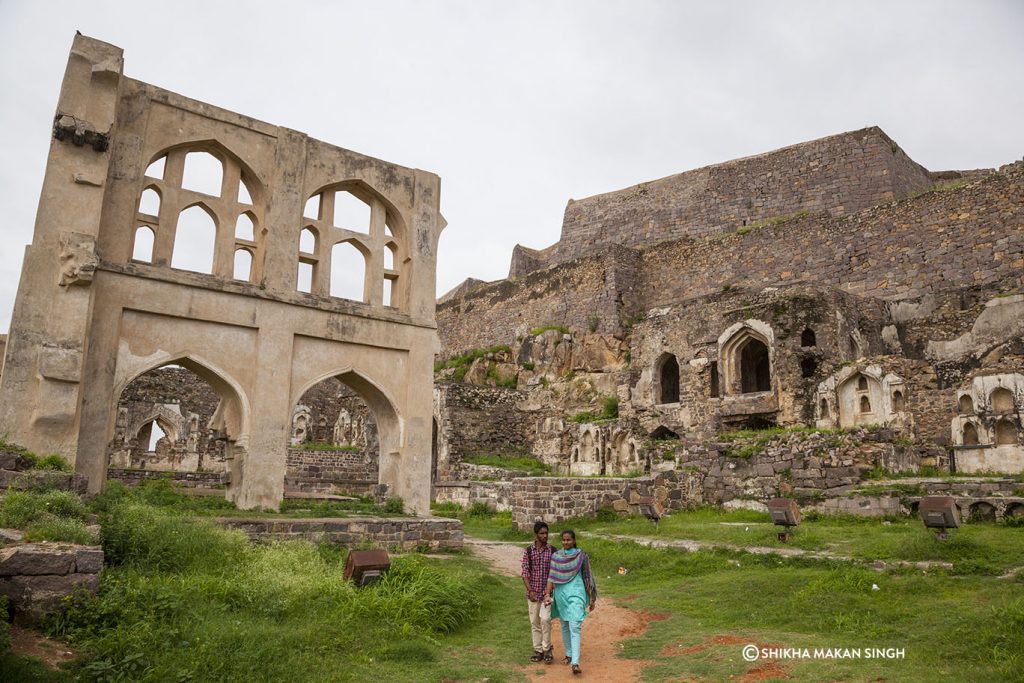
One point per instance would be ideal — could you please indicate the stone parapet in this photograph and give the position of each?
(393, 533)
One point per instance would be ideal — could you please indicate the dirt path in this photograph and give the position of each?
(28, 643)
(603, 630)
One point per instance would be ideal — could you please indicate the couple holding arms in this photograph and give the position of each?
(559, 585)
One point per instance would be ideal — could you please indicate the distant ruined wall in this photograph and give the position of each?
(943, 239)
(597, 292)
(476, 420)
(838, 175)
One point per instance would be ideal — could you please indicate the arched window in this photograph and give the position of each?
(389, 292)
(307, 241)
(203, 173)
(755, 367)
(312, 208)
(243, 264)
(348, 272)
(1006, 433)
(1002, 400)
(823, 409)
(182, 179)
(808, 366)
(244, 197)
(389, 255)
(862, 383)
(149, 202)
(244, 228)
(668, 379)
(808, 338)
(714, 390)
(865, 404)
(351, 213)
(966, 404)
(142, 250)
(970, 434)
(899, 404)
(194, 241)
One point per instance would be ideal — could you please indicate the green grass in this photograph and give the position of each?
(46, 516)
(163, 493)
(979, 549)
(182, 599)
(951, 629)
(53, 461)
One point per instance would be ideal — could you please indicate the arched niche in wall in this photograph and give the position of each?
(666, 372)
(745, 352)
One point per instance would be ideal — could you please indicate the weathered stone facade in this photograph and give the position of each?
(835, 287)
(837, 175)
(136, 264)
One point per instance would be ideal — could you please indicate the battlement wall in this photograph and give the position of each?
(965, 236)
(838, 175)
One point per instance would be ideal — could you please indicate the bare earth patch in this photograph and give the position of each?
(603, 630)
(28, 643)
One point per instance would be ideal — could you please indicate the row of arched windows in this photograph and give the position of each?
(746, 356)
(1005, 433)
(1001, 400)
(347, 247)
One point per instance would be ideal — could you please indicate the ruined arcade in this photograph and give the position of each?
(106, 294)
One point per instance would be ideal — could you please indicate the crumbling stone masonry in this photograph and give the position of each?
(136, 263)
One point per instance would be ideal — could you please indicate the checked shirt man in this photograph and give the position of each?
(536, 566)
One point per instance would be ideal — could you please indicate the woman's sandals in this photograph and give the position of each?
(576, 669)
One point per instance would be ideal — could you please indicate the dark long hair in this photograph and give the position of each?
(571, 533)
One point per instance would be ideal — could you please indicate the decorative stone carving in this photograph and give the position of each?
(78, 259)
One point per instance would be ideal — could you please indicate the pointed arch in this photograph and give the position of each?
(666, 372)
(745, 350)
(1001, 400)
(195, 239)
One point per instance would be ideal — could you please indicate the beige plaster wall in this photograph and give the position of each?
(260, 343)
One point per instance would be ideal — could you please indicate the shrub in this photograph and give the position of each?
(480, 509)
(62, 530)
(21, 509)
(394, 505)
(610, 408)
(53, 462)
(148, 538)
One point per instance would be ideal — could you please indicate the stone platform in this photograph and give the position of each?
(393, 533)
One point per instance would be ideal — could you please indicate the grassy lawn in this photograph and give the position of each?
(976, 548)
(184, 600)
(952, 628)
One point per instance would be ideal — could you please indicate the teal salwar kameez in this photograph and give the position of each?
(571, 598)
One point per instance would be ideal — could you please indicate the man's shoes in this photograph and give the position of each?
(537, 657)
(549, 655)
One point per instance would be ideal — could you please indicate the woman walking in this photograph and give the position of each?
(572, 590)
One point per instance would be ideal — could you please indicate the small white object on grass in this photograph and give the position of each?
(875, 587)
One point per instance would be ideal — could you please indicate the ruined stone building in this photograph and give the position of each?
(173, 234)
(834, 285)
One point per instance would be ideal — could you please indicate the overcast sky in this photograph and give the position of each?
(519, 106)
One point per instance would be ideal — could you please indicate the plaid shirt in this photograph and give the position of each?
(536, 565)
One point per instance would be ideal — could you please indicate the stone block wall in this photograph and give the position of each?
(475, 420)
(496, 494)
(837, 175)
(190, 480)
(554, 499)
(36, 577)
(391, 533)
(584, 294)
(966, 236)
(335, 465)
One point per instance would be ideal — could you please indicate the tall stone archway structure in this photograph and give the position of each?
(99, 302)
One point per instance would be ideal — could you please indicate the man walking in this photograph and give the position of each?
(536, 565)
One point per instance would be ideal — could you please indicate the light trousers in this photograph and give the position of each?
(540, 625)
(571, 639)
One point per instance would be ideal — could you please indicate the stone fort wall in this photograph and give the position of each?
(837, 175)
(965, 236)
